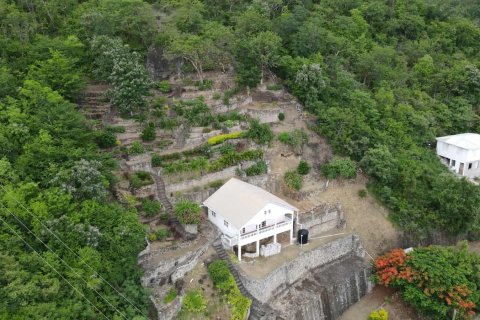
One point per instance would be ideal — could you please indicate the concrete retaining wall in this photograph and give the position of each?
(290, 272)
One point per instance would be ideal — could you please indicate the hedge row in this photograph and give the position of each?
(223, 137)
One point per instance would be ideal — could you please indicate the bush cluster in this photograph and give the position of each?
(164, 86)
(187, 212)
(223, 137)
(148, 133)
(151, 207)
(257, 169)
(261, 133)
(136, 148)
(171, 295)
(303, 167)
(293, 180)
(380, 314)
(340, 167)
(105, 139)
(156, 160)
(281, 116)
(194, 302)
(225, 282)
(140, 179)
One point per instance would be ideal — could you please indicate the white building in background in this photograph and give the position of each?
(461, 153)
(246, 214)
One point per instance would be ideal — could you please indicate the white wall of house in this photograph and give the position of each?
(218, 220)
(271, 214)
(462, 161)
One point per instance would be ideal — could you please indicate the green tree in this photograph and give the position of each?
(59, 73)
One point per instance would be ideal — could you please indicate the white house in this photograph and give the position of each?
(461, 153)
(246, 214)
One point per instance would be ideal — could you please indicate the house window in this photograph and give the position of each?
(214, 214)
(269, 211)
(470, 166)
(264, 224)
(243, 230)
(453, 163)
(225, 223)
(265, 212)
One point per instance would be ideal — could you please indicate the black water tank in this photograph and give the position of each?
(302, 236)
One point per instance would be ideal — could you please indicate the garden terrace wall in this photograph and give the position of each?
(141, 162)
(292, 271)
(263, 115)
(206, 179)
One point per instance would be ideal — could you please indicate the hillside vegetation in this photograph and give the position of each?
(383, 78)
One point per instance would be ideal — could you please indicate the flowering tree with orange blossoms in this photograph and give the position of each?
(436, 280)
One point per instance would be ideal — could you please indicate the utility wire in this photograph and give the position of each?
(69, 249)
(99, 294)
(44, 260)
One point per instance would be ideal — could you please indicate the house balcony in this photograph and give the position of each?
(259, 233)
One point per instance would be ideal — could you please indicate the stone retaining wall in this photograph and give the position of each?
(263, 115)
(322, 218)
(284, 276)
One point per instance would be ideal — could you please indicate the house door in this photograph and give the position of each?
(461, 168)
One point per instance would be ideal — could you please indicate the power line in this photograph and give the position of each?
(66, 246)
(44, 260)
(30, 231)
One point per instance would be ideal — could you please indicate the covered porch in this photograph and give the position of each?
(254, 234)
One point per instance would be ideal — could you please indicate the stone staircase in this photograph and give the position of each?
(258, 310)
(93, 102)
(173, 221)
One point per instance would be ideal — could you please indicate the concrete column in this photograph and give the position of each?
(239, 252)
(291, 235)
(275, 238)
(258, 248)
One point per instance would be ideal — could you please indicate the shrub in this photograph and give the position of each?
(136, 148)
(164, 86)
(140, 179)
(225, 282)
(152, 236)
(295, 139)
(343, 167)
(187, 212)
(257, 169)
(362, 193)
(156, 160)
(303, 167)
(206, 85)
(223, 137)
(226, 148)
(105, 139)
(260, 133)
(216, 96)
(216, 184)
(194, 301)
(381, 314)
(293, 180)
(164, 217)
(162, 234)
(151, 207)
(148, 133)
(281, 116)
(274, 87)
(159, 104)
(171, 295)
(206, 130)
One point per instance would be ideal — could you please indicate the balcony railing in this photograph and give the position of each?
(265, 229)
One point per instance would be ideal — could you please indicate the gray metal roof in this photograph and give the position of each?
(238, 201)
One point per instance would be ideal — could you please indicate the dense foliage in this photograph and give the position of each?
(67, 250)
(435, 280)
